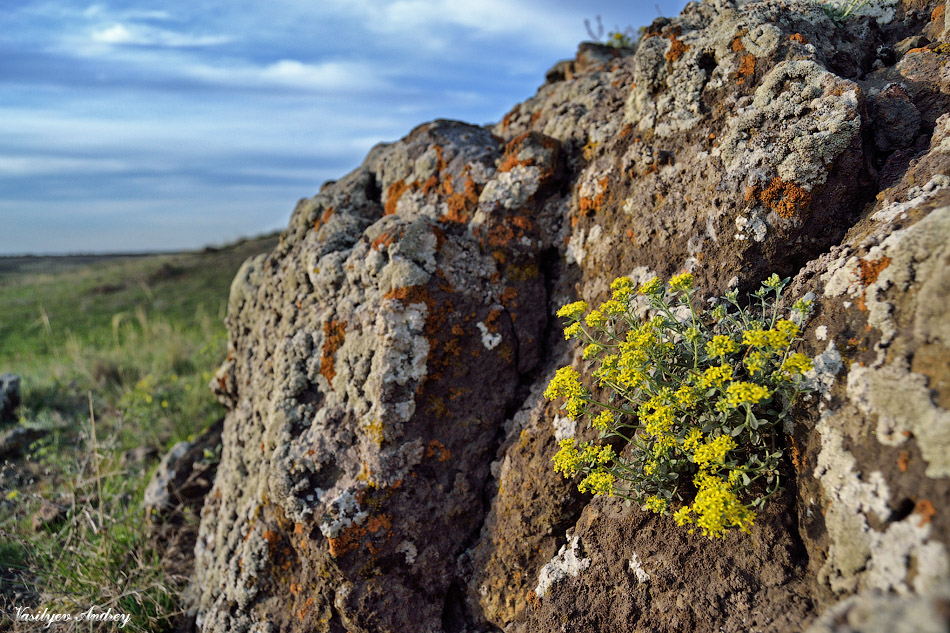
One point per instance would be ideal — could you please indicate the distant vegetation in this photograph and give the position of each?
(137, 339)
(627, 38)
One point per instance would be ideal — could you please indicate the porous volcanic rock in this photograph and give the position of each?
(386, 456)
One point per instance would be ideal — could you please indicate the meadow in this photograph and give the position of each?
(115, 355)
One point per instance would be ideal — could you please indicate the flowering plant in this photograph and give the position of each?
(695, 400)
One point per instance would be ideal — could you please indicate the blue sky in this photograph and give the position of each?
(129, 126)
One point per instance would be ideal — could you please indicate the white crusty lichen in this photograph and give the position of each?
(902, 404)
(567, 563)
(901, 557)
(637, 568)
(490, 340)
(801, 119)
(342, 512)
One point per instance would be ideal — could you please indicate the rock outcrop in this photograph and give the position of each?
(386, 456)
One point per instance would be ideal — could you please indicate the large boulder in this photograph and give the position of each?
(386, 461)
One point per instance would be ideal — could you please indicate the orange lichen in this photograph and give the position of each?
(506, 121)
(347, 541)
(384, 239)
(437, 449)
(631, 236)
(334, 333)
(737, 44)
(593, 205)
(677, 48)
(327, 213)
(870, 270)
(903, 460)
(534, 117)
(785, 198)
(801, 39)
(938, 13)
(926, 510)
(460, 203)
(393, 193)
(626, 130)
(746, 66)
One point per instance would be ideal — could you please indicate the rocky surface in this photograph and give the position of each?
(386, 458)
(9, 397)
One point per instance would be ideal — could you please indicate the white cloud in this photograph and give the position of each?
(139, 35)
(19, 165)
(291, 73)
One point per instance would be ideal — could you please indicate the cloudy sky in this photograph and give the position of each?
(130, 126)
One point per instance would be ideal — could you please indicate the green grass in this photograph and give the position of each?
(138, 338)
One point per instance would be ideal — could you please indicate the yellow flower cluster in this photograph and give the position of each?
(715, 376)
(598, 482)
(654, 286)
(714, 452)
(594, 454)
(755, 361)
(797, 364)
(572, 310)
(567, 458)
(692, 439)
(604, 420)
(681, 282)
(717, 507)
(779, 337)
(655, 504)
(595, 318)
(720, 345)
(566, 383)
(613, 307)
(745, 392)
(622, 289)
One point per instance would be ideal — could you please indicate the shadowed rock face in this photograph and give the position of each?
(386, 457)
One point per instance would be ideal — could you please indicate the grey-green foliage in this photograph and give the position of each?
(627, 38)
(841, 12)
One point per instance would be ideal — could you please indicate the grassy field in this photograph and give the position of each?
(115, 354)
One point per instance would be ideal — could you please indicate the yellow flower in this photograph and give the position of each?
(692, 439)
(745, 392)
(622, 288)
(663, 444)
(592, 350)
(656, 504)
(595, 318)
(773, 282)
(717, 507)
(681, 282)
(681, 516)
(715, 376)
(756, 338)
(720, 345)
(566, 383)
(572, 310)
(797, 364)
(567, 458)
(604, 420)
(575, 406)
(613, 307)
(755, 361)
(599, 482)
(713, 452)
(654, 286)
(686, 397)
(571, 331)
(600, 455)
